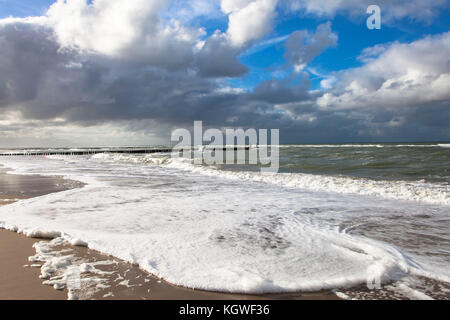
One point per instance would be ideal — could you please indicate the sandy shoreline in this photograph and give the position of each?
(16, 281)
(119, 280)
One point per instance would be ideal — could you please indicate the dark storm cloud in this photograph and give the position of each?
(42, 80)
(291, 89)
(45, 82)
(26, 54)
(302, 48)
(218, 59)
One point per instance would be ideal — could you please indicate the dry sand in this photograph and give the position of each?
(125, 281)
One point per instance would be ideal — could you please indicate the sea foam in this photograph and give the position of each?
(433, 193)
(202, 229)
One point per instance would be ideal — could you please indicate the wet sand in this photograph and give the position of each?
(16, 281)
(124, 281)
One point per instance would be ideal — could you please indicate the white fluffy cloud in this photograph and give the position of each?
(400, 76)
(249, 20)
(104, 26)
(126, 29)
(152, 32)
(228, 6)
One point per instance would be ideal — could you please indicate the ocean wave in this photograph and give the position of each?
(433, 193)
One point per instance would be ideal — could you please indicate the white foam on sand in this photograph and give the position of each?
(210, 232)
(63, 270)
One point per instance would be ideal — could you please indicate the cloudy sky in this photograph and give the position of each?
(127, 72)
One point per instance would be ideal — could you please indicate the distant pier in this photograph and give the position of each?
(92, 151)
(80, 152)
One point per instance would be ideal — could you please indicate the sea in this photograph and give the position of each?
(368, 221)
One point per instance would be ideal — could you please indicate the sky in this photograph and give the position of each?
(128, 72)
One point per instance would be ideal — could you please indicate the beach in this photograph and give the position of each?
(16, 281)
(19, 280)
